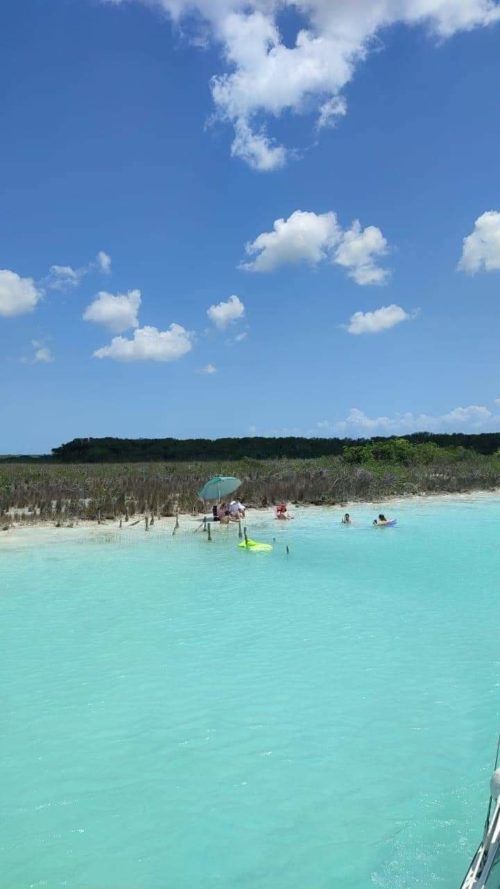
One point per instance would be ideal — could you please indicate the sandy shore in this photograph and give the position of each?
(37, 533)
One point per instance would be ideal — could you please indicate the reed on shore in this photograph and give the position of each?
(62, 492)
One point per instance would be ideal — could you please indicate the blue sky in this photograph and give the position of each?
(140, 192)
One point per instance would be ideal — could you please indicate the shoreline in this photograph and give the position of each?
(39, 532)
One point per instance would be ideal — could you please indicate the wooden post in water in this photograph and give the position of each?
(146, 523)
(121, 522)
(209, 532)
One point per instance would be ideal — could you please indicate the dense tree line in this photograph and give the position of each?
(145, 450)
(400, 451)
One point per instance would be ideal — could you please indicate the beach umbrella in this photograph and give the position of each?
(219, 486)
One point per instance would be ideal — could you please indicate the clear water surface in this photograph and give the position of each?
(179, 714)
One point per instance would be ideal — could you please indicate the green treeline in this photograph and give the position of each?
(401, 451)
(419, 447)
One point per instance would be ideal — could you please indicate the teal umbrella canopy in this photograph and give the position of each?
(219, 486)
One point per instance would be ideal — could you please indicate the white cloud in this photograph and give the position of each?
(303, 237)
(208, 369)
(316, 237)
(331, 111)
(225, 313)
(378, 320)
(43, 355)
(357, 250)
(241, 336)
(266, 77)
(117, 312)
(481, 249)
(64, 277)
(104, 262)
(259, 152)
(474, 418)
(17, 295)
(149, 344)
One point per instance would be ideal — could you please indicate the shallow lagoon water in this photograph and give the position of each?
(179, 714)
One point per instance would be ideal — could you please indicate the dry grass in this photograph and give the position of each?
(98, 491)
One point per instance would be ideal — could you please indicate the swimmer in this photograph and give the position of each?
(282, 513)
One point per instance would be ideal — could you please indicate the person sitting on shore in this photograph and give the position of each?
(347, 519)
(223, 514)
(236, 511)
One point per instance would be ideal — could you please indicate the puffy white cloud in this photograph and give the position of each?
(149, 344)
(378, 320)
(208, 369)
(357, 251)
(315, 237)
(117, 312)
(225, 313)
(17, 295)
(265, 76)
(303, 237)
(481, 249)
(104, 262)
(474, 417)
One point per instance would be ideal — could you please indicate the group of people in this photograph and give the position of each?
(380, 520)
(228, 512)
(235, 512)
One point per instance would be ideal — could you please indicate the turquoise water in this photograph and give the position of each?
(179, 714)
